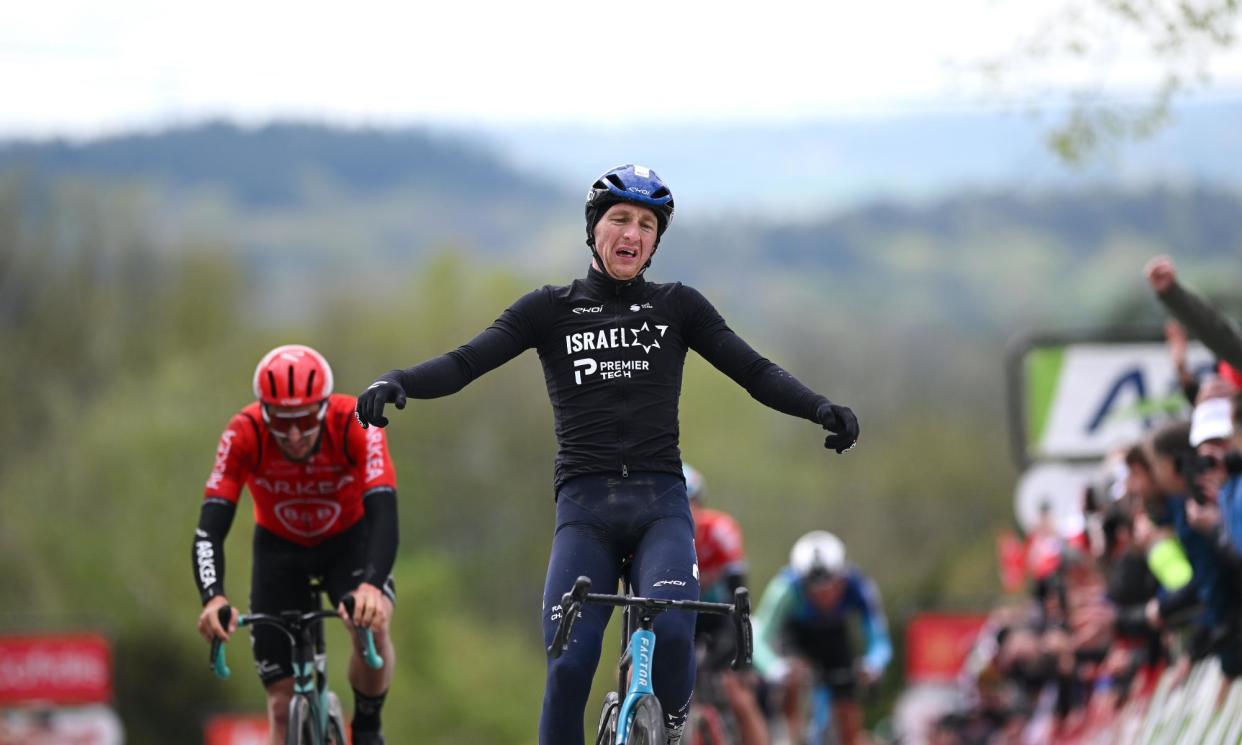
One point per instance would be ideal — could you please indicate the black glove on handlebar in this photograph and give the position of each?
(841, 424)
(370, 407)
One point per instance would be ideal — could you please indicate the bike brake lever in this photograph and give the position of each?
(571, 602)
(742, 628)
(365, 637)
(216, 658)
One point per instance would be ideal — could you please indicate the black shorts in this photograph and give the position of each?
(281, 580)
(827, 647)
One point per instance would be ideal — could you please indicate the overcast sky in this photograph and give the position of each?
(82, 67)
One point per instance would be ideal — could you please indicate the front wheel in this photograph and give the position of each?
(336, 721)
(648, 727)
(607, 732)
(301, 725)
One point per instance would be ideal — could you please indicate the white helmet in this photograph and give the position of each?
(818, 554)
(694, 480)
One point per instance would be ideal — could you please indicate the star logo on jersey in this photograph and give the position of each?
(646, 338)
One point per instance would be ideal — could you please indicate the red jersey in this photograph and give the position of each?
(718, 543)
(303, 502)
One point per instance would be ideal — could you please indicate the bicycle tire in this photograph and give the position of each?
(648, 727)
(301, 725)
(336, 721)
(606, 733)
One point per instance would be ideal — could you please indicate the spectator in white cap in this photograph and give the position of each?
(1211, 429)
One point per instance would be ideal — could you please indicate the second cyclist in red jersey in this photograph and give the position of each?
(325, 507)
(722, 569)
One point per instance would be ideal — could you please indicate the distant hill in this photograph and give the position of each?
(268, 166)
(803, 168)
(310, 206)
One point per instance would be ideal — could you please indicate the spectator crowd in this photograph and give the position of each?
(1141, 586)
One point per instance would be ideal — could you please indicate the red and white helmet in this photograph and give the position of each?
(292, 375)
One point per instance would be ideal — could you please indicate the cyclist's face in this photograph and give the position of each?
(295, 428)
(826, 593)
(625, 238)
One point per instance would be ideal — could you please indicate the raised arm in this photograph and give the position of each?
(1216, 331)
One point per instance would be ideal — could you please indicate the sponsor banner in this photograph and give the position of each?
(937, 644)
(1079, 399)
(55, 668)
(79, 725)
(1062, 488)
(235, 729)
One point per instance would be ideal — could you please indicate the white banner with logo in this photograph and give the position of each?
(1079, 400)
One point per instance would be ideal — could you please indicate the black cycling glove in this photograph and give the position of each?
(841, 424)
(370, 406)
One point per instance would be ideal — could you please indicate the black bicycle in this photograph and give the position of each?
(315, 715)
(638, 719)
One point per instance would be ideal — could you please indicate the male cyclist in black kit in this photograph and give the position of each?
(612, 347)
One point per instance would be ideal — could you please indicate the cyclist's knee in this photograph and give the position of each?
(675, 633)
(571, 674)
(279, 694)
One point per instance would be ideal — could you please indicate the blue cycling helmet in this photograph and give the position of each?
(629, 183)
(694, 480)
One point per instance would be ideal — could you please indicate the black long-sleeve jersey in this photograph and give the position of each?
(612, 357)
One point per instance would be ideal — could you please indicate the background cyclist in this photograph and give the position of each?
(613, 346)
(325, 505)
(722, 569)
(802, 632)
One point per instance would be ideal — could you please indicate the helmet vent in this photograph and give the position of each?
(310, 382)
(292, 392)
(616, 181)
(271, 383)
(661, 193)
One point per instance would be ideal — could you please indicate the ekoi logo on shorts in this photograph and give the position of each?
(308, 517)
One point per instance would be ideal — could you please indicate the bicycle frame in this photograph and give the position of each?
(639, 652)
(305, 633)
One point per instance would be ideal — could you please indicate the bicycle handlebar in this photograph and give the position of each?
(572, 601)
(365, 636)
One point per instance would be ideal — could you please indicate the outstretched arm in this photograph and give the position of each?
(510, 335)
(766, 382)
